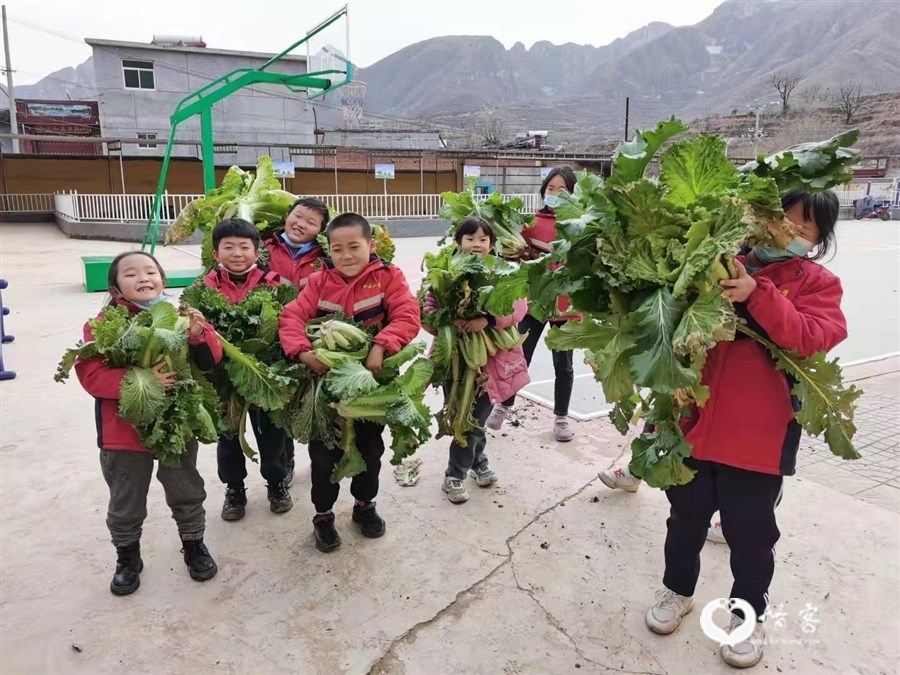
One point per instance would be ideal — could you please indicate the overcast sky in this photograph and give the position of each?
(54, 38)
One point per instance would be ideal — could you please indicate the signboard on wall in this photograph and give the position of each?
(545, 170)
(283, 169)
(384, 171)
(471, 171)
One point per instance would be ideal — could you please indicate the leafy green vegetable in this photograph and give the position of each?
(504, 217)
(165, 419)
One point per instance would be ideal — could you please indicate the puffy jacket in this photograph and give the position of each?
(539, 236)
(296, 271)
(103, 383)
(378, 297)
(221, 280)
(748, 421)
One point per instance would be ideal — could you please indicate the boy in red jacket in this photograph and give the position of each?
(236, 249)
(358, 283)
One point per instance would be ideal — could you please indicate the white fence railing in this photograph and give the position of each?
(137, 208)
(26, 203)
(847, 197)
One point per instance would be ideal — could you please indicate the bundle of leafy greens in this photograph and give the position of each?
(324, 407)
(464, 287)
(642, 262)
(165, 419)
(253, 370)
(504, 217)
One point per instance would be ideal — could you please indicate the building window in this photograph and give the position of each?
(138, 74)
(146, 137)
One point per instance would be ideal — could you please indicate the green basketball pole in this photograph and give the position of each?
(201, 102)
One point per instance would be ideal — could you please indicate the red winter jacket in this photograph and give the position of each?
(539, 236)
(748, 421)
(220, 279)
(103, 383)
(296, 271)
(377, 296)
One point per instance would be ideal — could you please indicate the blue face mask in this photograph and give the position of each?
(552, 201)
(148, 305)
(798, 248)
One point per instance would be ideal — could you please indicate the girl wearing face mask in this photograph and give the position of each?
(506, 372)
(136, 281)
(745, 438)
(539, 236)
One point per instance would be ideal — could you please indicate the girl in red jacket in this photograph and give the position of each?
(507, 373)
(539, 236)
(746, 436)
(136, 281)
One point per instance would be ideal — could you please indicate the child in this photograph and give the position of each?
(295, 254)
(539, 237)
(136, 281)
(236, 249)
(746, 437)
(507, 373)
(358, 283)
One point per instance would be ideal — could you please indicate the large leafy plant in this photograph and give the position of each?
(165, 419)
(642, 261)
(504, 217)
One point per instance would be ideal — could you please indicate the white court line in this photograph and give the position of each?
(540, 382)
(178, 248)
(871, 359)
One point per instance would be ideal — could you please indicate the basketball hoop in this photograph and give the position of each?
(353, 95)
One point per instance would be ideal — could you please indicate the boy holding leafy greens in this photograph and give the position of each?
(363, 287)
(236, 245)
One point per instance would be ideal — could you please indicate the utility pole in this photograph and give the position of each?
(13, 122)
(627, 101)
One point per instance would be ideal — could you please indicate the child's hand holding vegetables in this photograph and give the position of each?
(471, 325)
(197, 320)
(375, 359)
(166, 379)
(739, 288)
(310, 360)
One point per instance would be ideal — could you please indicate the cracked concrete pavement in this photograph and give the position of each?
(546, 572)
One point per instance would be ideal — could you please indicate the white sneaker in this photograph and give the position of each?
(750, 651)
(562, 432)
(497, 417)
(620, 479)
(455, 489)
(484, 476)
(715, 533)
(666, 615)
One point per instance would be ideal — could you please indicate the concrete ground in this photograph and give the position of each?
(547, 572)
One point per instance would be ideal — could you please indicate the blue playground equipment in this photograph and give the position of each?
(4, 337)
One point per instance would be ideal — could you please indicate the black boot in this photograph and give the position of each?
(200, 563)
(279, 498)
(370, 523)
(128, 569)
(235, 503)
(327, 538)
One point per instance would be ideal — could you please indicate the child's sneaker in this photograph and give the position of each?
(280, 499)
(562, 432)
(620, 479)
(235, 504)
(327, 538)
(497, 417)
(666, 615)
(715, 534)
(455, 489)
(484, 475)
(747, 653)
(370, 523)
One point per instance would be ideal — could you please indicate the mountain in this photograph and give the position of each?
(76, 83)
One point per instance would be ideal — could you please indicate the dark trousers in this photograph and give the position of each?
(472, 455)
(128, 474)
(271, 442)
(746, 503)
(363, 486)
(562, 365)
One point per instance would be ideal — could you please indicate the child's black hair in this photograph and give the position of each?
(350, 220)
(113, 277)
(567, 175)
(313, 204)
(822, 208)
(235, 227)
(471, 225)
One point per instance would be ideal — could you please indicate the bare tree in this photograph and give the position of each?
(784, 84)
(848, 99)
(810, 95)
(492, 132)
